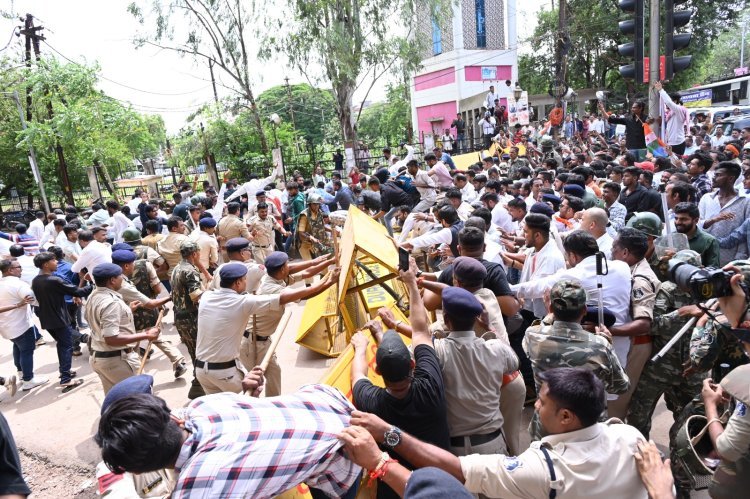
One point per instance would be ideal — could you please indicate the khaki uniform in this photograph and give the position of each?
(643, 296)
(108, 315)
(154, 258)
(255, 345)
(169, 248)
(473, 405)
(209, 248)
(231, 226)
(263, 240)
(596, 461)
(152, 241)
(273, 212)
(129, 294)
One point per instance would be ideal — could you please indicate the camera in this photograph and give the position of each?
(701, 283)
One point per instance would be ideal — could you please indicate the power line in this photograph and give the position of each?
(10, 40)
(122, 84)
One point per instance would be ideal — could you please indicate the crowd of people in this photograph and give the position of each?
(551, 276)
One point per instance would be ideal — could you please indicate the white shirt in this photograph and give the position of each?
(489, 100)
(70, 248)
(709, 206)
(615, 286)
(597, 126)
(393, 170)
(117, 225)
(134, 203)
(49, 233)
(36, 229)
(426, 193)
(605, 243)
(502, 219)
(675, 129)
(488, 125)
(98, 218)
(539, 264)
(468, 193)
(14, 323)
(28, 270)
(92, 255)
(222, 318)
(443, 236)
(251, 187)
(718, 141)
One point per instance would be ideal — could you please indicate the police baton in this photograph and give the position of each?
(601, 265)
(684, 329)
(150, 343)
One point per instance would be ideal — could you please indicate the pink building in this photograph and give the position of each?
(474, 48)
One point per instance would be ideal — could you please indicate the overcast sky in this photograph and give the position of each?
(161, 81)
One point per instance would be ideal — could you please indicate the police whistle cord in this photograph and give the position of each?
(386, 287)
(687, 327)
(150, 343)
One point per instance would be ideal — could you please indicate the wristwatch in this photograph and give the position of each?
(392, 437)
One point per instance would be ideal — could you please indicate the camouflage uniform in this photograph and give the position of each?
(186, 284)
(567, 344)
(665, 376)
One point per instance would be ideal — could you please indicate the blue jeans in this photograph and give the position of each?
(388, 219)
(64, 338)
(289, 240)
(23, 353)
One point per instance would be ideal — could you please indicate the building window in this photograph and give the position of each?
(437, 39)
(481, 30)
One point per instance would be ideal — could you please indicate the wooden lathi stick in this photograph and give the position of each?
(150, 344)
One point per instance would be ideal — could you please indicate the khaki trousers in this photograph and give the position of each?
(252, 355)
(220, 380)
(637, 358)
(512, 397)
(306, 254)
(112, 370)
(172, 353)
(261, 253)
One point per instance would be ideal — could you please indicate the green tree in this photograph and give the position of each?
(386, 122)
(312, 107)
(211, 31)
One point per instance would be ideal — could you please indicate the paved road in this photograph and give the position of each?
(59, 426)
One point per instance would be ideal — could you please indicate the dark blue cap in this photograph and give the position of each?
(592, 315)
(106, 271)
(123, 256)
(542, 208)
(458, 302)
(551, 198)
(260, 192)
(574, 189)
(207, 222)
(237, 244)
(141, 383)
(232, 271)
(122, 246)
(276, 260)
(428, 483)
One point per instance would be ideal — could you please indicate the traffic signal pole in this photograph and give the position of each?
(654, 60)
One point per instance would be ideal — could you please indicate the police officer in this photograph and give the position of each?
(222, 318)
(186, 293)
(665, 376)
(651, 225)
(231, 226)
(238, 251)
(630, 247)
(112, 328)
(565, 343)
(146, 313)
(262, 227)
(256, 340)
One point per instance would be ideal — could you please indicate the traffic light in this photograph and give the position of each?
(632, 49)
(674, 42)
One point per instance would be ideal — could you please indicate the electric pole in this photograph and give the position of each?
(32, 156)
(290, 102)
(213, 82)
(654, 59)
(33, 36)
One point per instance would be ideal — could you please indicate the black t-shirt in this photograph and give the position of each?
(421, 413)
(11, 478)
(50, 291)
(392, 196)
(496, 280)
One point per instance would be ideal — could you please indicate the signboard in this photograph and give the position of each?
(647, 68)
(740, 71)
(489, 72)
(518, 110)
(697, 98)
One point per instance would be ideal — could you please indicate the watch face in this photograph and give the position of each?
(392, 438)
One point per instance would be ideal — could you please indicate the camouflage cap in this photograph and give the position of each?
(567, 295)
(646, 222)
(187, 248)
(744, 267)
(131, 235)
(688, 256)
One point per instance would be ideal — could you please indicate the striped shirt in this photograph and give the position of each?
(30, 243)
(260, 447)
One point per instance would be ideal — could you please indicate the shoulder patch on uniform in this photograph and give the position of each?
(512, 463)
(637, 293)
(741, 409)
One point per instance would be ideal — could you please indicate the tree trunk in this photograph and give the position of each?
(344, 94)
(258, 122)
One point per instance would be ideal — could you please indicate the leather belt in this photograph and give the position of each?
(642, 340)
(259, 246)
(476, 439)
(215, 365)
(247, 334)
(507, 378)
(112, 353)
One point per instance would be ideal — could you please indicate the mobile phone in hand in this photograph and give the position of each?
(403, 259)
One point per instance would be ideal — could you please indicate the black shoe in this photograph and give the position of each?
(77, 353)
(142, 352)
